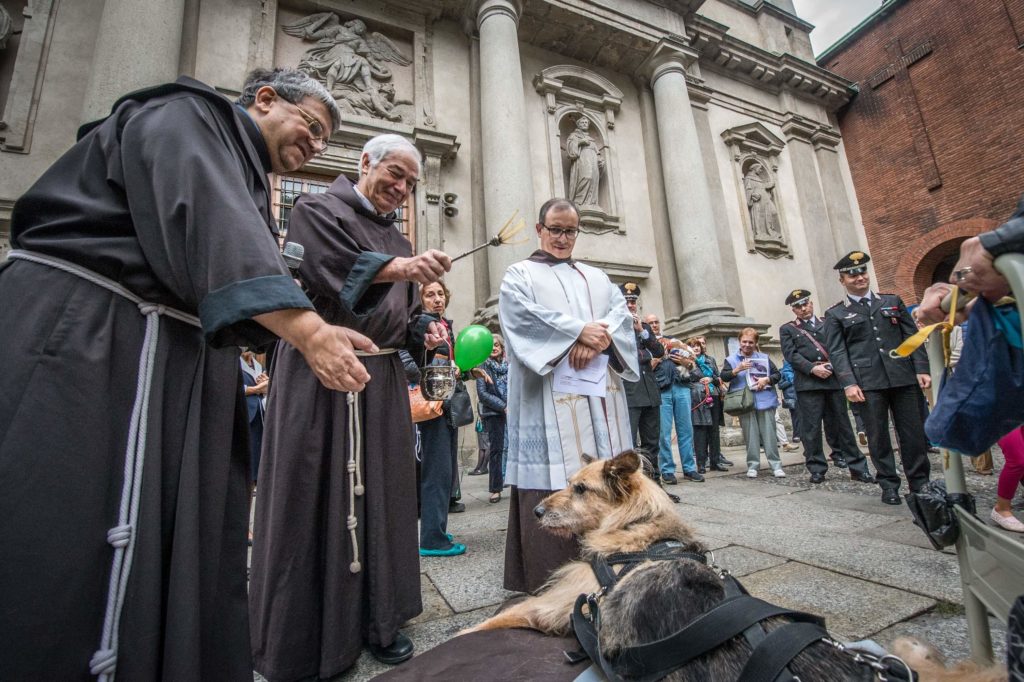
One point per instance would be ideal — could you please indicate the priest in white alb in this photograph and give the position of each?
(570, 344)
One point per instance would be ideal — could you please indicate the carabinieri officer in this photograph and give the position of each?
(819, 397)
(860, 331)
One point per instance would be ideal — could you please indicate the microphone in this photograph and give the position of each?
(293, 254)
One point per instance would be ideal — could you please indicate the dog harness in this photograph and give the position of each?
(738, 613)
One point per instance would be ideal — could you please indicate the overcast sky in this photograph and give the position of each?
(832, 19)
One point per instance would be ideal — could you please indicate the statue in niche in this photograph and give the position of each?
(764, 216)
(352, 63)
(585, 165)
(6, 27)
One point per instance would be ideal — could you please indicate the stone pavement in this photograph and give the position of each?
(832, 549)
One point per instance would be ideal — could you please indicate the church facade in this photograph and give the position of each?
(698, 136)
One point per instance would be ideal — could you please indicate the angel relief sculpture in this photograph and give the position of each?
(352, 62)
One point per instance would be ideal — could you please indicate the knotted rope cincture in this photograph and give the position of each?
(355, 475)
(122, 537)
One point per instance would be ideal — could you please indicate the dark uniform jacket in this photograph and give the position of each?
(803, 354)
(645, 393)
(859, 337)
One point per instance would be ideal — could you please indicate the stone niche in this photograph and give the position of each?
(580, 108)
(754, 152)
(367, 68)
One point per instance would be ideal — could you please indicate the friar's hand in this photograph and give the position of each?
(854, 394)
(329, 352)
(425, 268)
(595, 335)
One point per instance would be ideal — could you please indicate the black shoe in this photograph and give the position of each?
(477, 472)
(694, 476)
(670, 479)
(839, 463)
(891, 496)
(724, 462)
(702, 469)
(454, 508)
(862, 477)
(817, 477)
(397, 652)
(717, 467)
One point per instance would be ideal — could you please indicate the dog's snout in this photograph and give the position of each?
(539, 511)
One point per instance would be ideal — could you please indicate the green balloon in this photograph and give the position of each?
(472, 346)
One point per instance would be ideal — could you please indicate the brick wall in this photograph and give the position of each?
(936, 150)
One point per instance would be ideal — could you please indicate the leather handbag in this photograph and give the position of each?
(981, 401)
(422, 409)
(460, 408)
(739, 402)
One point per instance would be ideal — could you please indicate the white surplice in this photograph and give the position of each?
(542, 309)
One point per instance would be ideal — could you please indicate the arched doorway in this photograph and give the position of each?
(931, 257)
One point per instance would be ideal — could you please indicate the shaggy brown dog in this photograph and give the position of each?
(612, 507)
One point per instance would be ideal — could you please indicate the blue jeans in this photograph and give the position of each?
(675, 407)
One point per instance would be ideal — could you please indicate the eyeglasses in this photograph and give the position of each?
(569, 233)
(316, 129)
(853, 272)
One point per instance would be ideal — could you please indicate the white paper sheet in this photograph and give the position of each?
(592, 380)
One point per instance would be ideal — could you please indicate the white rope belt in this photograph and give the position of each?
(122, 536)
(355, 473)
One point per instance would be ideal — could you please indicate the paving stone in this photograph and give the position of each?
(742, 561)
(472, 580)
(853, 609)
(434, 605)
(904, 532)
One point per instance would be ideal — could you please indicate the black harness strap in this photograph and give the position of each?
(709, 631)
(778, 649)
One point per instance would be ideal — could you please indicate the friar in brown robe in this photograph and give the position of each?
(167, 201)
(335, 553)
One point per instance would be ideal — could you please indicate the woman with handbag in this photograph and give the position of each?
(439, 445)
(492, 396)
(752, 377)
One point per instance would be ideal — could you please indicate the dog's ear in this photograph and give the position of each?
(587, 459)
(618, 469)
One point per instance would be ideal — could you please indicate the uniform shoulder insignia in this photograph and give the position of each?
(834, 305)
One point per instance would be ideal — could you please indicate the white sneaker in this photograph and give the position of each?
(779, 473)
(1011, 523)
(751, 473)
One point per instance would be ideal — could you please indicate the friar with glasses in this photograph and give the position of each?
(820, 398)
(143, 258)
(335, 556)
(860, 331)
(558, 316)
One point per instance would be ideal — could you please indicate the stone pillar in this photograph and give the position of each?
(507, 179)
(670, 293)
(837, 200)
(138, 45)
(818, 231)
(698, 261)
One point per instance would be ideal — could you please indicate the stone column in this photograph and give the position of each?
(818, 231)
(698, 260)
(507, 180)
(840, 211)
(138, 45)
